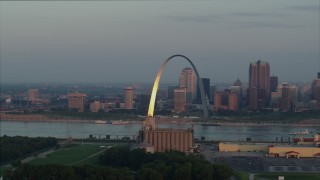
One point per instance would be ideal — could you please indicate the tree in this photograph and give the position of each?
(150, 174)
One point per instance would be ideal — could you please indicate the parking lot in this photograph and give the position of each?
(256, 162)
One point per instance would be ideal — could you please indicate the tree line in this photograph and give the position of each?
(61, 172)
(122, 163)
(169, 165)
(12, 148)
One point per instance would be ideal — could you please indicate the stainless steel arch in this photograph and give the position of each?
(156, 85)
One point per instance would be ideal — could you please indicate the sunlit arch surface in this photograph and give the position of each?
(156, 85)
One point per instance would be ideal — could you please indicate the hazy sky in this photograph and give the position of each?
(127, 41)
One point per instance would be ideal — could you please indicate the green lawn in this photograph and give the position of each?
(290, 176)
(72, 155)
(242, 175)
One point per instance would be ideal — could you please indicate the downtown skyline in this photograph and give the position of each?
(127, 42)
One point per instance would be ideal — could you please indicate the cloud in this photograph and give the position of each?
(254, 14)
(197, 18)
(305, 8)
(261, 24)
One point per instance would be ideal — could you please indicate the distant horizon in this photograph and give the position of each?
(127, 41)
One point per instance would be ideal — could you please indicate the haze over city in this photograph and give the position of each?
(128, 41)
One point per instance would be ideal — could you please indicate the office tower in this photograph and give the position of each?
(180, 99)
(95, 106)
(273, 83)
(315, 91)
(285, 101)
(128, 98)
(293, 94)
(188, 80)
(206, 88)
(237, 87)
(76, 101)
(259, 85)
(33, 94)
(171, 91)
(226, 100)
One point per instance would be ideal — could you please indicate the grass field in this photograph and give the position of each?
(290, 176)
(75, 155)
(242, 175)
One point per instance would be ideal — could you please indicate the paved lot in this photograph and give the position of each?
(256, 162)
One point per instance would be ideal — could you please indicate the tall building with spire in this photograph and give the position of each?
(188, 80)
(259, 85)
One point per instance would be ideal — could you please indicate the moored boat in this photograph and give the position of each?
(100, 122)
(120, 122)
(300, 132)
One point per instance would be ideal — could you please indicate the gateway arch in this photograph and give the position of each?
(156, 85)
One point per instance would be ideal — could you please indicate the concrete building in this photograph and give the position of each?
(128, 98)
(226, 100)
(305, 146)
(238, 91)
(33, 94)
(285, 101)
(243, 147)
(293, 94)
(188, 80)
(289, 96)
(180, 99)
(294, 151)
(76, 101)
(95, 106)
(169, 139)
(259, 85)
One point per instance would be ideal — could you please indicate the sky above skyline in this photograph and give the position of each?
(127, 41)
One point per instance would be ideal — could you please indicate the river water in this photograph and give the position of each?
(264, 133)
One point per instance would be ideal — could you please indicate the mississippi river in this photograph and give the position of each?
(265, 133)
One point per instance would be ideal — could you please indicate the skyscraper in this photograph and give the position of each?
(76, 101)
(128, 98)
(188, 80)
(285, 101)
(259, 85)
